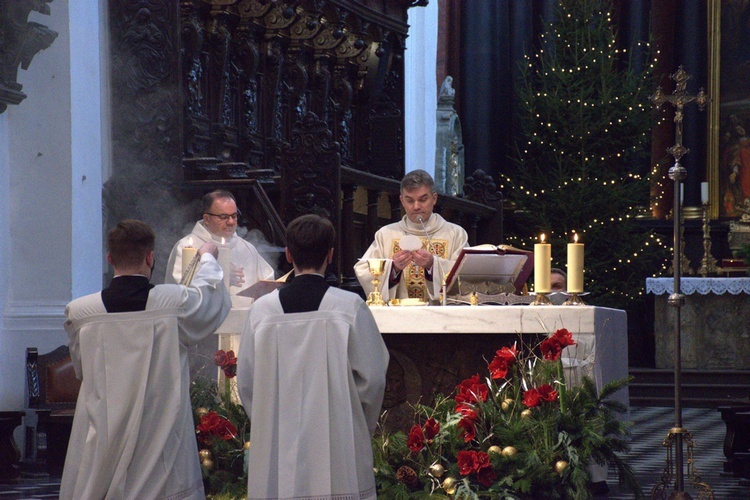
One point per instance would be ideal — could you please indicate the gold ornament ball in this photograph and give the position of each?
(560, 466)
(201, 412)
(507, 404)
(494, 449)
(437, 470)
(526, 413)
(246, 445)
(449, 485)
(509, 451)
(205, 454)
(208, 464)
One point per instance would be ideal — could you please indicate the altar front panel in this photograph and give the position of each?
(434, 348)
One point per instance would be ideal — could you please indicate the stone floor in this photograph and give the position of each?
(647, 457)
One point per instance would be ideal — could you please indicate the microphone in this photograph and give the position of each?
(435, 258)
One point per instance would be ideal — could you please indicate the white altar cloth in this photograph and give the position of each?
(600, 333)
(703, 286)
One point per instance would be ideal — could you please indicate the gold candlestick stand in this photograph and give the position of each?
(678, 435)
(708, 262)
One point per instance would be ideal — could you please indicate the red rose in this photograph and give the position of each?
(531, 398)
(220, 357)
(431, 428)
(486, 476)
(465, 461)
(472, 390)
(551, 349)
(564, 338)
(469, 431)
(212, 424)
(546, 393)
(416, 439)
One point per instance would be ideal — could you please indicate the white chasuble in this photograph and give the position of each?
(133, 435)
(313, 386)
(447, 241)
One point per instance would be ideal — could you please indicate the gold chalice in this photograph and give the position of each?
(377, 268)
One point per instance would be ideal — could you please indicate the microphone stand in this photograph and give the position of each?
(444, 295)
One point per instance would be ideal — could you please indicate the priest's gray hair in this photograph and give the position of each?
(416, 179)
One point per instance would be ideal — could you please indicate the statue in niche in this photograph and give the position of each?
(449, 148)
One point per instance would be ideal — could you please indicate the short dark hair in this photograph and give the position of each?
(130, 242)
(416, 179)
(209, 199)
(556, 270)
(309, 238)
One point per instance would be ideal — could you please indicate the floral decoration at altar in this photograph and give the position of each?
(223, 431)
(519, 432)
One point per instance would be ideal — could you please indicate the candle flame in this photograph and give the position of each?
(575, 237)
(190, 242)
(222, 240)
(541, 238)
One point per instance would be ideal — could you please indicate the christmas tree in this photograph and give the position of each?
(580, 166)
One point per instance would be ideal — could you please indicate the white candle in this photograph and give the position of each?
(188, 254)
(704, 192)
(542, 263)
(575, 266)
(225, 261)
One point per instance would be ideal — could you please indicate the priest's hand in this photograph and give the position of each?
(209, 247)
(423, 258)
(401, 259)
(237, 275)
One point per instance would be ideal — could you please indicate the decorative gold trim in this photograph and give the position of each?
(714, 107)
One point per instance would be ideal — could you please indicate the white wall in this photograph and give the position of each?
(420, 93)
(53, 139)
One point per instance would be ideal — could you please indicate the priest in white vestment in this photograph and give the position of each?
(420, 249)
(220, 217)
(311, 375)
(133, 434)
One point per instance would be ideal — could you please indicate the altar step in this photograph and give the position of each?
(700, 388)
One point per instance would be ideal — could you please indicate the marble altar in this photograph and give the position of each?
(715, 323)
(434, 348)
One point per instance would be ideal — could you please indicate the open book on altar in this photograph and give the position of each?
(490, 269)
(262, 287)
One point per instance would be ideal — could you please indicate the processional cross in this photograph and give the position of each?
(679, 98)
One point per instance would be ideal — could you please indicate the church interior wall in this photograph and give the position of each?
(49, 141)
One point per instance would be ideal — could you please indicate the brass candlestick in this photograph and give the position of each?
(708, 262)
(377, 268)
(574, 299)
(542, 299)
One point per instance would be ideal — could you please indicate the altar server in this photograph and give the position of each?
(219, 223)
(414, 272)
(311, 374)
(133, 435)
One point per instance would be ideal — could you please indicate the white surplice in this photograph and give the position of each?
(313, 386)
(133, 435)
(447, 241)
(244, 255)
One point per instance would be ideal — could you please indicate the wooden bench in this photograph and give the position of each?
(53, 391)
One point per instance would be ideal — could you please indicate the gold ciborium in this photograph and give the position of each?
(377, 268)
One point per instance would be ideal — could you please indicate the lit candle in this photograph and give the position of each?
(542, 258)
(188, 254)
(575, 266)
(225, 261)
(704, 192)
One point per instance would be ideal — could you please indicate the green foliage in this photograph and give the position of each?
(536, 450)
(580, 165)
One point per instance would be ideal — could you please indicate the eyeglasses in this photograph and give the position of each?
(225, 217)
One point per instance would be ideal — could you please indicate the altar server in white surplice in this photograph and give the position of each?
(133, 435)
(415, 269)
(311, 375)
